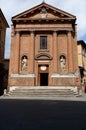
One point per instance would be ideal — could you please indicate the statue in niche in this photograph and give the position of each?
(62, 62)
(24, 63)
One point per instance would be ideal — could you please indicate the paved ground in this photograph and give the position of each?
(29, 114)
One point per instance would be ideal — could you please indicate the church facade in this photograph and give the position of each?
(43, 48)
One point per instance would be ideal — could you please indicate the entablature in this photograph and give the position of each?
(44, 29)
(44, 21)
(42, 25)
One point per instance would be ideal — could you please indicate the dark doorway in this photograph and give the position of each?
(43, 79)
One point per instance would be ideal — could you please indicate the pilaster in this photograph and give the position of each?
(32, 45)
(17, 46)
(54, 51)
(70, 51)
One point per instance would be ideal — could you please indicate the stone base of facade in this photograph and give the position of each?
(56, 80)
(65, 80)
(22, 80)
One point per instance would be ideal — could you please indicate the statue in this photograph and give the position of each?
(24, 63)
(63, 63)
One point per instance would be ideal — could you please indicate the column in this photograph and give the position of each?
(17, 44)
(32, 52)
(70, 51)
(55, 52)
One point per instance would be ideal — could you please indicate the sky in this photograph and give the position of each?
(11, 8)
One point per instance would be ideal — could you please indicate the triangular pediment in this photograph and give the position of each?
(43, 11)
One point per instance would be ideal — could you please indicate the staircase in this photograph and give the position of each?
(41, 92)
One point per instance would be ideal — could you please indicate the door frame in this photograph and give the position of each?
(44, 81)
(42, 71)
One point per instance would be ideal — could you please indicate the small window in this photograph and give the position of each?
(43, 42)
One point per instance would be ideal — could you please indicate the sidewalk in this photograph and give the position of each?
(75, 98)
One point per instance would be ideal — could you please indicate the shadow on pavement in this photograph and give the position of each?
(42, 115)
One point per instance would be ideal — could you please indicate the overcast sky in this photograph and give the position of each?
(11, 8)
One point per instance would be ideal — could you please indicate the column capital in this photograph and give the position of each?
(54, 30)
(17, 32)
(69, 31)
(32, 31)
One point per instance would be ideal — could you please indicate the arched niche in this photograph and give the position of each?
(24, 63)
(62, 61)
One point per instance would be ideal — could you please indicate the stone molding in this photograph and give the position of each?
(56, 75)
(23, 76)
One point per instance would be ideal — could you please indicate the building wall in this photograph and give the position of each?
(2, 39)
(61, 43)
(3, 65)
(82, 59)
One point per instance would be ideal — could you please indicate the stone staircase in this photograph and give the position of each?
(42, 92)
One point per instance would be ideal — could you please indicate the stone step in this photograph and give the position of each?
(41, 92)
(32, 90)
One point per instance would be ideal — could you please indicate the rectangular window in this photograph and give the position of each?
(43, 42)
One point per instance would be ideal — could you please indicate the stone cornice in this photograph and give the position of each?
(44, 29)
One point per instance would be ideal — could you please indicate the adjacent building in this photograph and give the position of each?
(82, 59)
(43, 48)
(3, 26)
(3, 70)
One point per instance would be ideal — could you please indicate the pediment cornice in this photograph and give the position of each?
(43, 56)
(52, 13)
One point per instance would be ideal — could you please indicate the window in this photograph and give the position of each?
(43, 42)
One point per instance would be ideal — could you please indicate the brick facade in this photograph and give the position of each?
(59, 28)
(81, 45)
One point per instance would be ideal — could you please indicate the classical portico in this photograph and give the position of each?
(43, 41)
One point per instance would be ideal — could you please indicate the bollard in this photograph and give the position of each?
(85, 87)
(79, 90)
(5, 92)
